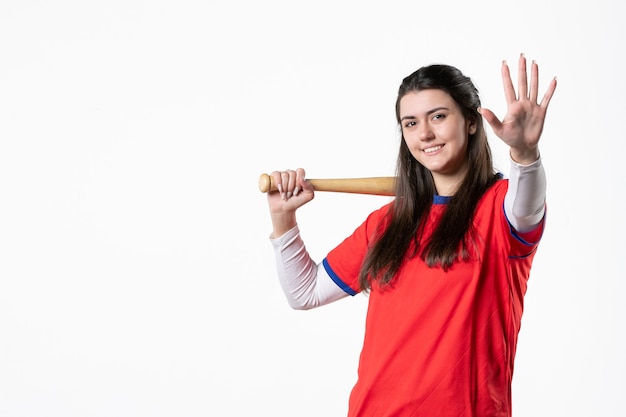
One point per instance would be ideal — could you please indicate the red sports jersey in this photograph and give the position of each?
(441, 343)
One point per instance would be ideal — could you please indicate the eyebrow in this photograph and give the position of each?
(429, 112)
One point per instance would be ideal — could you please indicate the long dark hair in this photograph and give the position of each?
(401, 236)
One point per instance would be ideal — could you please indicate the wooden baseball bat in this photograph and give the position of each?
(369, 185)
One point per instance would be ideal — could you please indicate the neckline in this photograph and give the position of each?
(445, 199)
(441, 199)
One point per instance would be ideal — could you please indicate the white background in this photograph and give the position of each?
(136, 275)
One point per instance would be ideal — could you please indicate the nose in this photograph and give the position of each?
(424, 132)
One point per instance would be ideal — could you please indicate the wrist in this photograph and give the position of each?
(524, 156)
(282, 223)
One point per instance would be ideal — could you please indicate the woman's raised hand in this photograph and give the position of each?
(523, 123)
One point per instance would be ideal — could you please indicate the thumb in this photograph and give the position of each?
(490, 117)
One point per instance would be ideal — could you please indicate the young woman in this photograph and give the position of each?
(446, 263)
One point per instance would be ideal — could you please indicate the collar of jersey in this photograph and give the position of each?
(445, 199)
(441, 199)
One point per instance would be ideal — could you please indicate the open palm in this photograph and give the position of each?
(523, 123)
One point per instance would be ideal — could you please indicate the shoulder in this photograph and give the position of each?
(500, 186)
(497, 191)
(491, 204)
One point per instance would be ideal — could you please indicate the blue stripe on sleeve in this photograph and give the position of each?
(516, 235)
(336, 279)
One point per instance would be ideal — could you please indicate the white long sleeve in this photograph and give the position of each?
(524, 203)
(306, 284)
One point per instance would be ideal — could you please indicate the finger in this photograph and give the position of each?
(300, 182)
(283, 184)
(509, 91)
(490, 117)
(548, 95)
(281, 179)
(534, 81)
(522, 80)
(277, 179)
(289, 183)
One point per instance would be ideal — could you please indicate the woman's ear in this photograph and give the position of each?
(472, 128)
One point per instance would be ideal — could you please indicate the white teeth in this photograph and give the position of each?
(433, 149)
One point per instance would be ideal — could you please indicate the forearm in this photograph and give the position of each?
(524, 203)
(305, 284)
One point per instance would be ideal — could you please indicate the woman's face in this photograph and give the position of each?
(436, 133)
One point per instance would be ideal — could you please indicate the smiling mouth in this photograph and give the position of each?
(433, 149)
